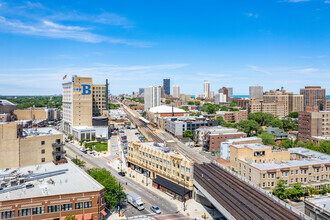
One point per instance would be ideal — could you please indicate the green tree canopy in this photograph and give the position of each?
(188, 134)
(276, 123)
(262, 118)
(293, 115)
(267, 139)
(220, 120)
(78, 162)
(112, 190)
(250, 127)
(233, 103)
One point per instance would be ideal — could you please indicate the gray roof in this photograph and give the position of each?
(6, 102)
(322, 202)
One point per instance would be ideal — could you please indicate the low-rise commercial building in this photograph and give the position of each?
(177, 125)
(170, 171)
(318, 208)
(48, 191)
(23, 147)
(49, 114)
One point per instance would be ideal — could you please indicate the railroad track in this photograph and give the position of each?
(239, 198)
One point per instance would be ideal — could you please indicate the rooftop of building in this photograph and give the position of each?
(226, 133)
(285, 164)
(309, 153)
(44, 131)
(166, 109)
(244, 139)
(213, 128)
(6, 102)
(252, 146)
(276, 131)
(324, 138)
(321, 202)
(71, 180)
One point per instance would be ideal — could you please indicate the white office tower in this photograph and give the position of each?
(256, 92)
(220, 98)
(176, 91)
(151, 97)
(207, 89)
(212, 94)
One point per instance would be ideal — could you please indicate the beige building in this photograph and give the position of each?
(23, 147)
(49, 114)
(81, 101)
(306, 167)
(170, 172)
(256, 152)
(278, 103)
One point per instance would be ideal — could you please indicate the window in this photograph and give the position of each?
(79, 205)
(43, 151)
(42, 142)
(38, 210)
(53, 208)
(24, 212)
(8, 214)
(42, 160)
(263, 184)
(263, 176)
(88, 204)
(102, 201)
(66, 207)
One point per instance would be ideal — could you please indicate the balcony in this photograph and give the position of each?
(57, 153)
(62, 160)
(57, 144)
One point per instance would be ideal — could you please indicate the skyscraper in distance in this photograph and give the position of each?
(314, 96)
(151, 97)
(176, 91)
(256, 92)
(207, 89)
(167, 86)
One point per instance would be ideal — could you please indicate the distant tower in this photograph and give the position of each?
(176, 91)
(167, 86)
(207, 91)
(256, 92)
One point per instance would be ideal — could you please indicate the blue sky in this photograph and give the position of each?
(138, 43)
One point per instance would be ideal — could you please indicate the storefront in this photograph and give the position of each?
(172, 189)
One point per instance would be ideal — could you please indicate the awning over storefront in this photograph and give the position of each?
(103, 213)
(171, 186)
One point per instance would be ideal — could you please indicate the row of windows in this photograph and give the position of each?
(50, 209)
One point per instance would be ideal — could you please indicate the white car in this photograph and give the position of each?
(155, 209)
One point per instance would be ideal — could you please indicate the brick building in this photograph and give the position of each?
(313, 124)
(213, 141)
(233, 116)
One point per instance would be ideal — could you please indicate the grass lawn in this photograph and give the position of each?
(99, 146)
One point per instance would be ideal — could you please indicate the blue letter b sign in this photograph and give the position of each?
(86, 89)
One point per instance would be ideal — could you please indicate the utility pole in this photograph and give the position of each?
(184, 194)
(146, 172)
(119, 199)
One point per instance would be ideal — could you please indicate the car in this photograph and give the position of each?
(213, 154)
(121, 173)
(155, 209)
(137, 133)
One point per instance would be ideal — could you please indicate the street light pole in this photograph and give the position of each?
(119, 199)
(146, 172)
(184, 194)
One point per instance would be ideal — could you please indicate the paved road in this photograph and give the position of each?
(149, 197)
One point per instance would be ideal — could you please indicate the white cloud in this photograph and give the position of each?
(327, 2)
(259, 69)
(307, 70)
(296, 1)
(252, 15)
(53, 30)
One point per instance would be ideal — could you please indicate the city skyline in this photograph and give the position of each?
(237, 44)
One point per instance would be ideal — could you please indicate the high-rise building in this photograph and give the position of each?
(230, 92)
(314, 96)
(151, 97)
(207, 89)
(256, 92)
(167, 86)
(141, 91)
(225, 91)
(313, 123)
(162, 94)
(176, 91)
(81, 101)
(220, 98)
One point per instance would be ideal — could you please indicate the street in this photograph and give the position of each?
(150, 198)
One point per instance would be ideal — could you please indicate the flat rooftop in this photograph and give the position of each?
(309, 153)
(225, 133)
(73, 181)
(322, 138)
(252, 146)
(321, 202)
(244, 139)
(284, 164)
(44, 131)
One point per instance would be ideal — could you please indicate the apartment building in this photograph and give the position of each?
(23, 147)
(200, 133)
(225, 146)
(152, 97)
(224, 92)
(177, 125)
(313, 124)
(81, 101)
(213, 140)
(243, 102)
(234, 116)
(220, 98)
(314, 96)
(170, 171)
(255, 152)
(307, 167)
(207, 89)
(276, 109)
(256, 92)
(49, 114)
(47, 191)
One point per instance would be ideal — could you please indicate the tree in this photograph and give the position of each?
(197, 103)
(78, 162)
(223, 108)
(280, 190)
(250, 127)
(144, 114)
(70, 217)
(233, 103)
(296, 191)
(168, 102)
(290, 124)
(286, 143)
(276, 123)
(220, 120)
(262, 118)
(188, 134)
(184, 108)
(228, 124)
(244, 108)
(267, 139)
(324, 147)
(191, 103)
(293, 115)
(112, 190)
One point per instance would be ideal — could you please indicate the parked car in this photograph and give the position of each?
(213, 154)
(121, 173)
(155, 209)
